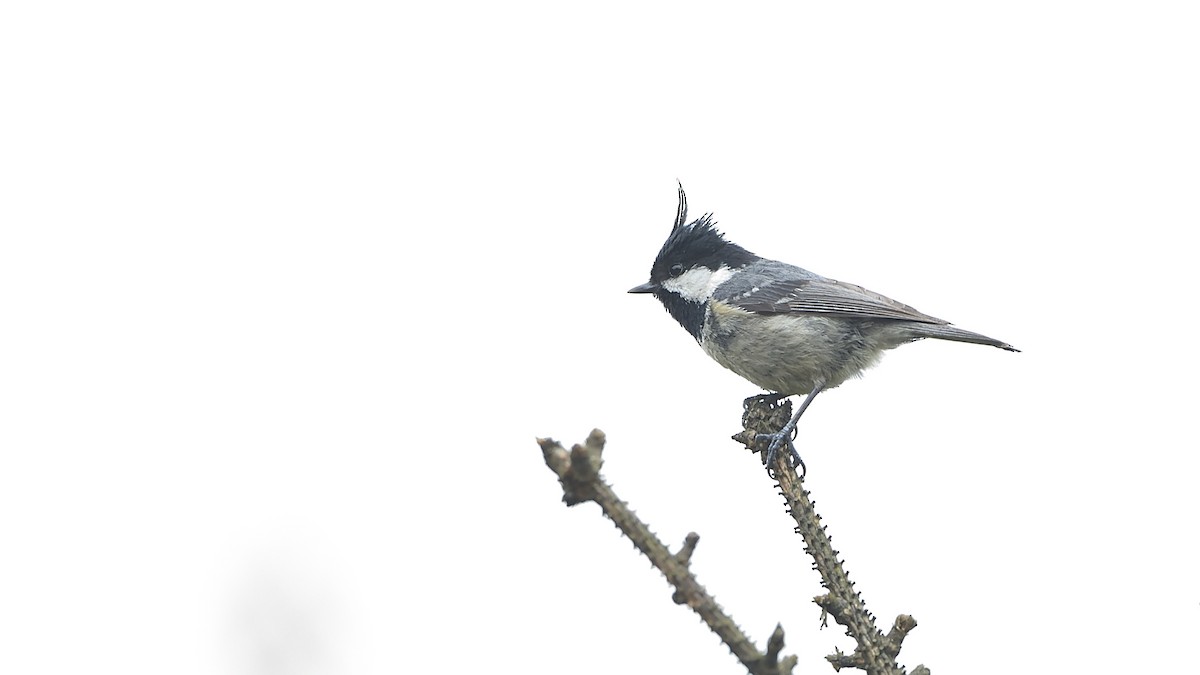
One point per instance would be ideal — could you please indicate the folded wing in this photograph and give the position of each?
(818, 295)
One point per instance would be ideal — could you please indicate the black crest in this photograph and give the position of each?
(696, 243)
(681, 212)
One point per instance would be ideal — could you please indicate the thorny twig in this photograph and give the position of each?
(579, 473)
(875, 653)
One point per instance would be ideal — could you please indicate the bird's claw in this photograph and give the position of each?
(782, 439)
(762, 398)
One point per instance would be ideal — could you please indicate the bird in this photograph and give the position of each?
(785, 329)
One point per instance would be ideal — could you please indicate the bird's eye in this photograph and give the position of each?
(676, 269)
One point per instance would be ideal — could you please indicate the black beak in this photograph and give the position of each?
(648, 287)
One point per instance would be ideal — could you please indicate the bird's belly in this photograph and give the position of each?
(787, 354)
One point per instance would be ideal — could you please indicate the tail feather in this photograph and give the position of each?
(948, 332)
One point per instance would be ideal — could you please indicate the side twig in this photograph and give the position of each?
(579, 473)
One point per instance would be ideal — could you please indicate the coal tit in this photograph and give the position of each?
(785, 329)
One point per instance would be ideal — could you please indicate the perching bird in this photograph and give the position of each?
(785, 329)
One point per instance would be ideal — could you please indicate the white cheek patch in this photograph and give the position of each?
(698, 283)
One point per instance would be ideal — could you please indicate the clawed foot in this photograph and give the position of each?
(762, 398)
(779, 440)
(783, 437)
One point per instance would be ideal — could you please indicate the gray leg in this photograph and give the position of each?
(784, 436)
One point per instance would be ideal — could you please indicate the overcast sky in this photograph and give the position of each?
(287, 291)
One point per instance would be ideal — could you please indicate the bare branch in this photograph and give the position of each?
(579, 473)
(875, 653)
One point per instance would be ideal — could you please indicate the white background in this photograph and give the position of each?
(287, 290)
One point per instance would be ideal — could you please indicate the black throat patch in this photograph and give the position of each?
(690, 315)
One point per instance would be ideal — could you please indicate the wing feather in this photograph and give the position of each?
(818, 295)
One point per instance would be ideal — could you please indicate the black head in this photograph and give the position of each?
(695, 256)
